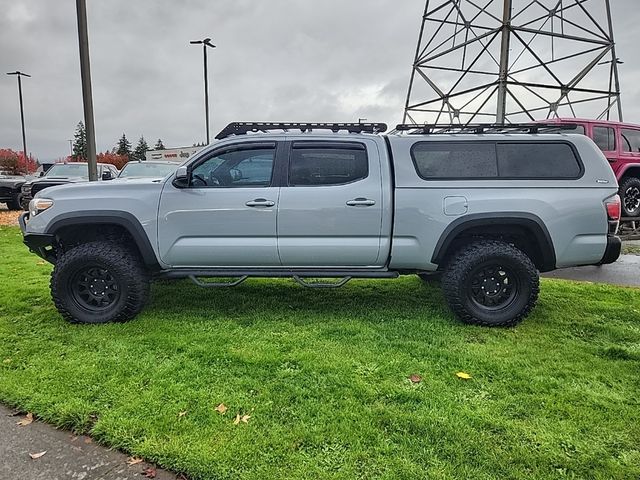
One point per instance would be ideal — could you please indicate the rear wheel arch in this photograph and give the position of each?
(524, 230)
(82, 227)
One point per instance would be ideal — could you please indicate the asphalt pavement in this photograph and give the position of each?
(625, 272)
(66, 457)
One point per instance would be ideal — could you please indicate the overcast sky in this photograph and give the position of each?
(281, 60)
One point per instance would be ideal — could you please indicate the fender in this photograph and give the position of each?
(114, 217)
(531, 222)
(626, 167)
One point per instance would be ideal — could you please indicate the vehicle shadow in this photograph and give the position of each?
(259, 299)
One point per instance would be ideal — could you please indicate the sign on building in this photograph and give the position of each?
(173, 154)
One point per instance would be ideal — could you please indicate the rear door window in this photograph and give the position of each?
(325, 163)
(630, 140)
(605, 138)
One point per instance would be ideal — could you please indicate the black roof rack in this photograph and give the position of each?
(426, 128)
(241, 128)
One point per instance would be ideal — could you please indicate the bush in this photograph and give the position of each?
(16, 163)
(113, 158)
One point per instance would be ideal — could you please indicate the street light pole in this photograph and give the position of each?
(87, 97)
(205, 43)
(19, 74)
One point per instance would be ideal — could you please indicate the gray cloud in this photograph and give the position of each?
(334, 60)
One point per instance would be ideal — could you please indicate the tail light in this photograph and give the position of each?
(614, 212)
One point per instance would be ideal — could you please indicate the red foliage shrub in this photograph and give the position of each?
(15, 162)
(113, 159)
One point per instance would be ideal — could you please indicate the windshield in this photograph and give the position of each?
(150, 170)
(68, 170)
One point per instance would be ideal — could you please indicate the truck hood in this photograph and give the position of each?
(117, 188)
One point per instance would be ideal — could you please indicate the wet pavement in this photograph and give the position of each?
(625, 272)
(67, 456)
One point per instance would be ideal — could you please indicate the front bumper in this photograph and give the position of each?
(42, 244)
(613, 250)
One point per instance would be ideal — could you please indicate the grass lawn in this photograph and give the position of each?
(324, 378)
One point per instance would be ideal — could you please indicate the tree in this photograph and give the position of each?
(124, 147)
(141, 149)
(159, 145)
(79, 148)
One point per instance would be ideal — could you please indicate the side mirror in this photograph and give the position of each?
(181, 179)
(41, 174)
(106, 175)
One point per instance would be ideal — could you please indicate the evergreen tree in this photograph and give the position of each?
(124, 147)
(79, 146)
(159, 145)
(141, 149)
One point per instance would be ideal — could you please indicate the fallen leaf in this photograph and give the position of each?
(245, 418)
(26, 420)
(134, 460)
(88, 440)
(182, 414)
(42, 262)
(6, 360)
(415, 378)
(463, 375)
(35, 456)
(221, 409)
(236, 421)
(149, 472)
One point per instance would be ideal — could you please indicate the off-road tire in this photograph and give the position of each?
(627, 184)
(15, 203)
(430, 277)
(463, 268)
(123, 265)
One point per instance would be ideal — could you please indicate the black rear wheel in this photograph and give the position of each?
(491, 283)
(630, 196)
(99, 282)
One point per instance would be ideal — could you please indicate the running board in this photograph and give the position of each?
(300, 281)
(271, 273)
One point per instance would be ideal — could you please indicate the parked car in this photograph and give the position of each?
(147, 169)
(488, 210)
(620, 143)
(10, 189)
(62, 174)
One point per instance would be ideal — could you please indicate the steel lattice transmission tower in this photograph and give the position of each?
(509, 61)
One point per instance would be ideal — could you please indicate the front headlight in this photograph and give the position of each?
(39, 205)
(26, 188)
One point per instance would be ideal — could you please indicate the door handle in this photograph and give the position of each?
(361, 202)
(260, 202)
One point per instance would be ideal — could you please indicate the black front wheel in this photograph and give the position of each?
(630, 196)
(99, 282)
(491, 283)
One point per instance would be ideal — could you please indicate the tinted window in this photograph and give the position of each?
(236, 168)
(605, 138)
(327, 166)
(455, 160)
(537, 160)
(630, 140)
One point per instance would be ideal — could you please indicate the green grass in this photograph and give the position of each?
(324, 376)
(631, 249)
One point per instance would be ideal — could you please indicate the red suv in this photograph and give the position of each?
(620, 143)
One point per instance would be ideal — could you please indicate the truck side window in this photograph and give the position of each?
(630, 140)
(327, 165)
(537, 160)
(438, 160)
(235, 168)
(604, 138)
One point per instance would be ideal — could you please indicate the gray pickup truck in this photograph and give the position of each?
(486, 208)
